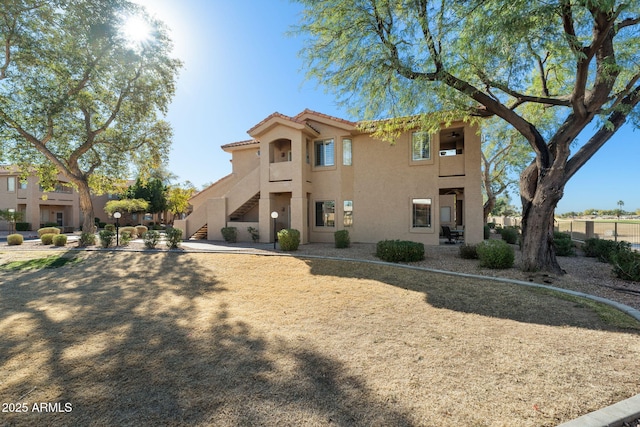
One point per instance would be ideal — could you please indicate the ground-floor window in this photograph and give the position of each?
(326, 213)
(421, 213)
(348, 213)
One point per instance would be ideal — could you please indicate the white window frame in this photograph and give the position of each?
(418, 151)
(347, 152)
(323, 160)
(415, 202)
(323, 220)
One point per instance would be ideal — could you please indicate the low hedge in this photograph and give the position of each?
(510, 235)
(130, 230)
(48, 230)
(342, 239)
(230, 234)
(468, 251)
(141, 229)
(563, 244)
(60, 240)
(399, 251)
(47, 238)
(626, 265)
(23, 226)
(15, 239)
(289, 239)
(495, 254)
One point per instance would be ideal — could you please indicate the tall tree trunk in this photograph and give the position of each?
(488, 206)
(86, 206)
(540, 196)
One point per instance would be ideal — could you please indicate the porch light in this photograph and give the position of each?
(274, 215)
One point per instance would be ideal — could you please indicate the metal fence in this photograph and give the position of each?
(608, 230)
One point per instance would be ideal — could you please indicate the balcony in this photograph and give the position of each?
(281, 171)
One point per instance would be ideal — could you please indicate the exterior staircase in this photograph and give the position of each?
(244, 208)
(201, 234)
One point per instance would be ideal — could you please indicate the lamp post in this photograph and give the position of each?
(117, 216)
(12, 217)
(274, 215)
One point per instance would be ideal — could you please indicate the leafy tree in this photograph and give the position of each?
(126, 205)
(77, 97)
(574, 60)
(178, 198)
(505, 154)
(152, 190)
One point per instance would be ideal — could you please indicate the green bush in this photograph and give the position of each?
(399, 251)
(50, 224)
(60, 240)
(230, 234)
(48, 230)
(106, 237)
(23, 226)
(563, 244)
(510, 235)
(342, 239)
(102, 224)
(495, 254)
(468, 251)
(602, 249)
(255, 236)
(47, 238)
(151, 239)
(626, 264)
(487, 232)
(125, 238)
(15, 239)
(87, 239)
(110, 227)
(174, 237)
(289, 239)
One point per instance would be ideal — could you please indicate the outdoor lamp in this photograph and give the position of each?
(274, 215)
(117, 216)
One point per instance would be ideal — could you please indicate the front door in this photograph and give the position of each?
(59, 218)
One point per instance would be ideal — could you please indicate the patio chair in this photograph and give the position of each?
(451, 236)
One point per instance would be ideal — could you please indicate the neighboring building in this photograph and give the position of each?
(60, 206)
(322, 174)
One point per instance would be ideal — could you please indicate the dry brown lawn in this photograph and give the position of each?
(236, 340)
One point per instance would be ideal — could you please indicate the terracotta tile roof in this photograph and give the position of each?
(271, 116)
(241, 143)
(326, 116)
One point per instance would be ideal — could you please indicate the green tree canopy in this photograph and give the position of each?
(126, 205)
(78, 97)
(521, 60)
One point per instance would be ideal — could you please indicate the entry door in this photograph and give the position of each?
(59, 218)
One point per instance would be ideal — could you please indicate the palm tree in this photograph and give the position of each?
(620, 205)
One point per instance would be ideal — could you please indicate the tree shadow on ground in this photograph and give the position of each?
(472, 295)
(148, 340)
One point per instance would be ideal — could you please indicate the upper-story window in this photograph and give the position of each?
(346, 152)
(325, 152)
(23, 185)
(420, 146)
(11, 184)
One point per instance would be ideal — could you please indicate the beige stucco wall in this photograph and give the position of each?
(381, 182)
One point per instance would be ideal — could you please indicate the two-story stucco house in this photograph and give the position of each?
(322, 174)
(60, 206)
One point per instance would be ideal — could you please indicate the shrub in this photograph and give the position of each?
(14, 239)
(48, 230)
(102, 224)
(510, 235)
(87, 239)
(289, 239)
(342, 239)
(399, 251)
(495, 254)
(174, 237)
(50, 224)
(468, 251)
(60, 239)
(141, 229)
(23, 226)
(602, 249)
(125, 238)
(151, 239)
(255, 236)
(487, 232)
(106, 237)
(563, 244)
(47, 238)
(230, 234)
(626, 264)
(129, 229)
(110, 227)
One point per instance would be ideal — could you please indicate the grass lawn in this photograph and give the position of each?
(121, 338)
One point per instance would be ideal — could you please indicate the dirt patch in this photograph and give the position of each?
(213, 339)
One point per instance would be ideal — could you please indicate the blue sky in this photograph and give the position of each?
(240, 66)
